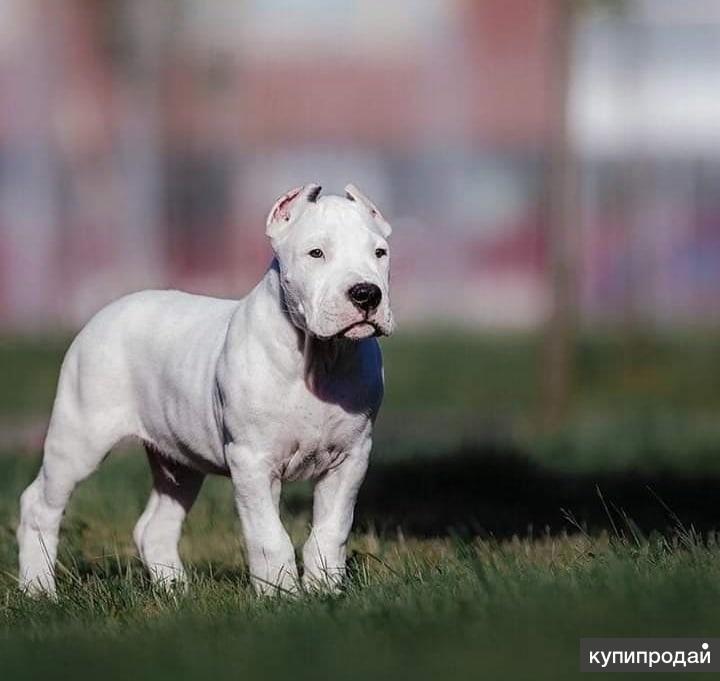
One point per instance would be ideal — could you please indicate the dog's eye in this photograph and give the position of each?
(380, 252)
(316, 253)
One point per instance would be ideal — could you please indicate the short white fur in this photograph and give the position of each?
(283, 384)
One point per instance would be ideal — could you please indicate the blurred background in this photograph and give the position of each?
(551, 169)
(142, 142)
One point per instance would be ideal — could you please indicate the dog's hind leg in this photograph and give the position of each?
(89, 417)
(71, 453)
(157, 532)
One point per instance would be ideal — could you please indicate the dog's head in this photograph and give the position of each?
(334, 262)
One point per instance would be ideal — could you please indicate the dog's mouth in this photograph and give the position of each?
(359, 330)
(363, 328)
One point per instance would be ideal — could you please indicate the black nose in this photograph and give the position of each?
(366, 296)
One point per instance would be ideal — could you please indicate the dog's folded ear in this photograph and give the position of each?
(288, 207)
(352, 193)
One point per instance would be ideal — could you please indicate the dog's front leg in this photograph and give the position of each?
(333, 509)
(270, 551)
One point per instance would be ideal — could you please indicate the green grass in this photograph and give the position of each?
(637, 402)
(29, 367)
(458, 447)
(462, 372)
(413, 608)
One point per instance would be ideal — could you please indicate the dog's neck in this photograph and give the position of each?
(294, 349)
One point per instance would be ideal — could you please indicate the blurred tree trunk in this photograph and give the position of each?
(562, 227)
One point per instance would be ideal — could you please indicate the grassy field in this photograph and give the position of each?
(482, 549)
(414, 607)
(643, 402)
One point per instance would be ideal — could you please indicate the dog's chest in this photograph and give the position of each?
(316, 436)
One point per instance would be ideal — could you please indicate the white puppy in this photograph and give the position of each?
(281, 385)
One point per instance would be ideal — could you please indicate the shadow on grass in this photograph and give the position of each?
(500, 493)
